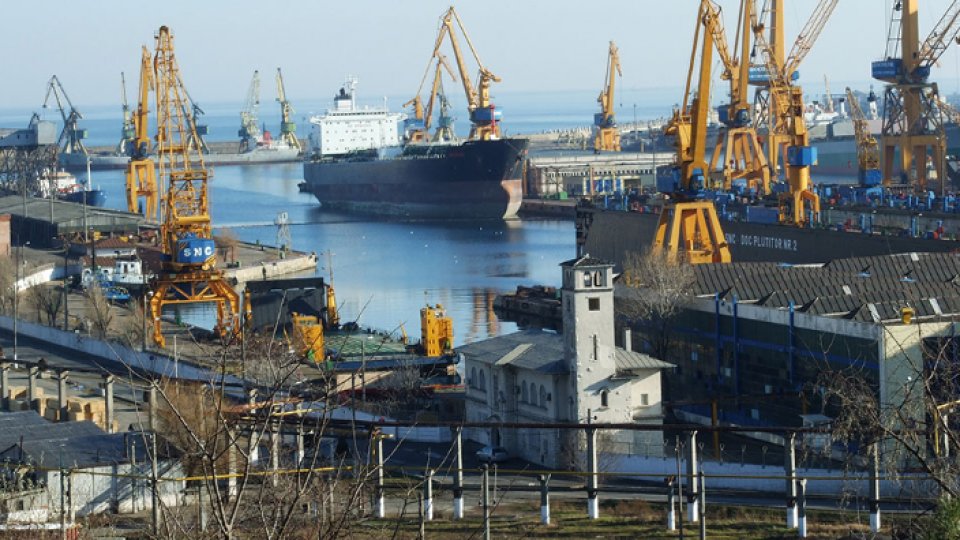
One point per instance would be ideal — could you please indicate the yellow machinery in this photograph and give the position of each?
(868, 151)
(308, 339)
(424, 118)
(484, 118)
(800, 205)
(436, 331)
(778, 137)
(688, 229)
(288, 128)
(141, 174)
(607, 136)
(911, 119)
(333, 315)
(188, 272)
(737, 142)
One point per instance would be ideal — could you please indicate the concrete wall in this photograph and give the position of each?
(106, 489)
(273, 269)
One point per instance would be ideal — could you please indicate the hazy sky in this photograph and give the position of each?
(534, 45)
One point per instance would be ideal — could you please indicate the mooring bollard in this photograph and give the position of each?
(545, 499)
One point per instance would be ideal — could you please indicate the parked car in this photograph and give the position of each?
(492, 454)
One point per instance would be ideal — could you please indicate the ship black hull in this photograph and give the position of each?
(473, 180)
(609, 235)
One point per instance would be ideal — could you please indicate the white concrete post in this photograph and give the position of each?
(593, 504)
(790, 472)
(693, 495)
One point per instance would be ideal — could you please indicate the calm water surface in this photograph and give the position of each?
(385, 271)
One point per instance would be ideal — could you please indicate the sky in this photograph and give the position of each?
(533, 45)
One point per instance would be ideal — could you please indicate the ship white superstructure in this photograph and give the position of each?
(347, 128)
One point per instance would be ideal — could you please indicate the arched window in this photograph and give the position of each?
(604, 398)
(524, 395)
(483, 381)
(473, 377)
(543, 397)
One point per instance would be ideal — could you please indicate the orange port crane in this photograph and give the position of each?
(423, 119)
(911, 119)
(868, 151)
(737, 141)
(801, 205)
(484, 117)
(288, 128)
(141, 176)
(691, 229)
(607, 136)
(188, 272)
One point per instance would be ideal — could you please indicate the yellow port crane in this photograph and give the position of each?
(188, 272)
(141, 175)
(912, 121)
(776, 127)
(607, 136)
(737, 141)
(484, 117)
(868, 151)
(288, 128)
(801, 205)
(691, 229)
(249, 132)
(423, 119)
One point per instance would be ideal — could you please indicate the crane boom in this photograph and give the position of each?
(808, 35)
(868, 151)
(71, 137)
(188, 271)
(946, 31)
(141, 176)
(249, 133)
(128, 131)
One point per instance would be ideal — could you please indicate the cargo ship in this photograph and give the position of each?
(64, 186)
(358, 163)
(276, 152)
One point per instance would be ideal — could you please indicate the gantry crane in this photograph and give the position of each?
(911, 119)
(71, 138)
(606, 136)
(868, 151)
(424, 117)
(484, 117)
(188, 272)
(777, 136)
(288, 128)
(129, 131)
(801, 205)
(249, 133)
(143, 195)
(737, 140)
(691, 229)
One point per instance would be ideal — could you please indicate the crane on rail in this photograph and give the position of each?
(71, 137)
(801, 205)
(484, 116)
(143, 196)
(737, 141)
(606, 134)
(423, 118)
(288, 128)
(689, 228)
(249, 132)
(128, 131)
(777, 136)
(868, 150)
(912, 121)
(188, 272)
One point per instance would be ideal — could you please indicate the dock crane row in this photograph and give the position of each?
(868, 150)
(801, 205)
(690, 229)
(912, 120)
(484, 117)
(288, 128)
(607, 135)
(777, 134)
(188, 272)
(737, 141)
(71, 137)
(143, 196)
(418, 129)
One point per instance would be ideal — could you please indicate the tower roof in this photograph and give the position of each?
(586, 260)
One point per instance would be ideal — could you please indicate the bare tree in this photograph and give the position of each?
(7, 283)
(657, 290)
(48, 301)
(100, 310)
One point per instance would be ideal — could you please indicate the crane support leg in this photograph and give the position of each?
(196, 288)
(694, 229)
(142, 183)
